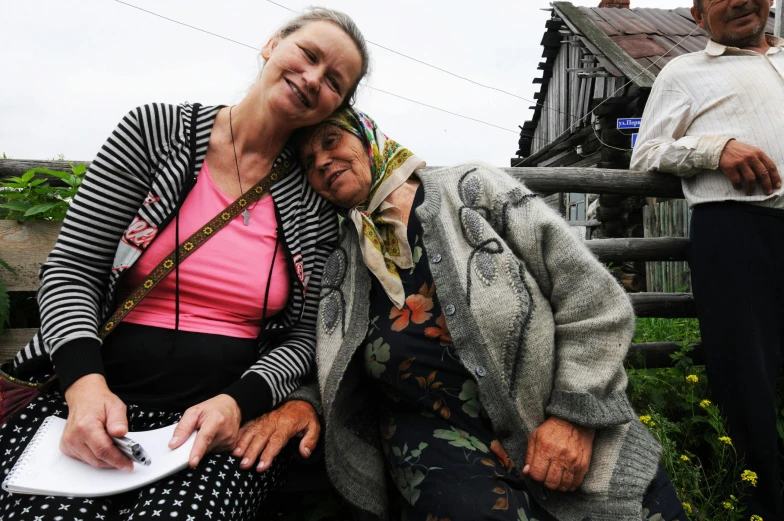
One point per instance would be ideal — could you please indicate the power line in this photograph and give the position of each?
(186, 25)
(363, 84)
(442, 110)
(490, 87)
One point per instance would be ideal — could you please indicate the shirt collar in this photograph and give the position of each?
(716, 49)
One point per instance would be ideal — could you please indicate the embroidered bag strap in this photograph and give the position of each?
(192, 243)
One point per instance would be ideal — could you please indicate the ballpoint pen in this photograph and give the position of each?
(132, 449)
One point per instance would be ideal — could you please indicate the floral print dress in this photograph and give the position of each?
(438, 442)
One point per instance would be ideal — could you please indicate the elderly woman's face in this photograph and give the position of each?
(337, 165)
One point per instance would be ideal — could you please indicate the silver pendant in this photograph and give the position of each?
(246, 216)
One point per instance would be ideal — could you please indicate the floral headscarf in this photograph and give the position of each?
(382, 234)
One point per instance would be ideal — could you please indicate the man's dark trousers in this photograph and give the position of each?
(737, 270)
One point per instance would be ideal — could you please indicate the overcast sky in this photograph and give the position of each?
(71, 70)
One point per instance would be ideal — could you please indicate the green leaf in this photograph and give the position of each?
(27, 176)
(59, 175)
(7, 266)
(41, 208)
(17, 206)
(36, 182)
(78, 169)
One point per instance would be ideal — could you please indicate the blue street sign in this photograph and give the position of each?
(627, 123)
(634, 139)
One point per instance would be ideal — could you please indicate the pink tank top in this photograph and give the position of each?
(222, 284)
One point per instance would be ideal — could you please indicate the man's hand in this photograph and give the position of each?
(94, 413)
(271, 432)
(559, 454)
(745, 164)
(217, 421)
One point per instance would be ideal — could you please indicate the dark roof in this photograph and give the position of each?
(645, 34)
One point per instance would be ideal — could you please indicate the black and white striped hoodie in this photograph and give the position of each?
(131, 190)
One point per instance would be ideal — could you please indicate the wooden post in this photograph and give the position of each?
(779, 23)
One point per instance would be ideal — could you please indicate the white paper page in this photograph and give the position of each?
(47, 471)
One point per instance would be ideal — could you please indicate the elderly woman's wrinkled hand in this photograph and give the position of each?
(559, 454)
(268, 434)
(217, 421)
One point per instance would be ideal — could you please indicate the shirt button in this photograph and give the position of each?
(437, 258)
(481, 371)
(449, 309)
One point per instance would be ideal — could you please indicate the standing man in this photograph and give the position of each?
(715, 118)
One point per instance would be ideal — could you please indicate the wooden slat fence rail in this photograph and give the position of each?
(542, 180)
(26, 245)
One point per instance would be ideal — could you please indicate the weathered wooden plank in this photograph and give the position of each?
(588, 224)
(664, 305)
(608, 250)
(12, 340)
(598, 181)
(580, 23)
(24, 246)
(17, 167)
(653, 355)
(542, 180)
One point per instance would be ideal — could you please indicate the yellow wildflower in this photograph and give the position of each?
(750, 476)
(687, 508)
(726, 439)
(755, 517)
(684, 457)
(692, 379)
(646, 419)
(705, 404)
(728, 505)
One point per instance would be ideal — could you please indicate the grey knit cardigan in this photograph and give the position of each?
(541, 325)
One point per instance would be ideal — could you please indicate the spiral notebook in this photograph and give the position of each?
(42, 469)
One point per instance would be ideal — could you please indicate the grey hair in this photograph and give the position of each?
(344, 22)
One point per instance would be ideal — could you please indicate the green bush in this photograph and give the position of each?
(675, 404)
(33, 197)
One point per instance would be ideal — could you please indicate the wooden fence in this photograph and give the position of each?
(25, 245)
(667, 219)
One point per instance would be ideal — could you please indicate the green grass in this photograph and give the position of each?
(666, 330)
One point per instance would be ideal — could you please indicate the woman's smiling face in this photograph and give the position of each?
(337, 165)
(308, 73)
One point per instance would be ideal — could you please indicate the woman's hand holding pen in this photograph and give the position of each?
(217, 421)
(94, 413)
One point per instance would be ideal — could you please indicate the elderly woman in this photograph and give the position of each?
(200, 338)
(463, 327)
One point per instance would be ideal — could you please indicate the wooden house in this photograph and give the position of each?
(598, 66)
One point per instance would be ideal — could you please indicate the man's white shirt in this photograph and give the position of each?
(702, 100)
